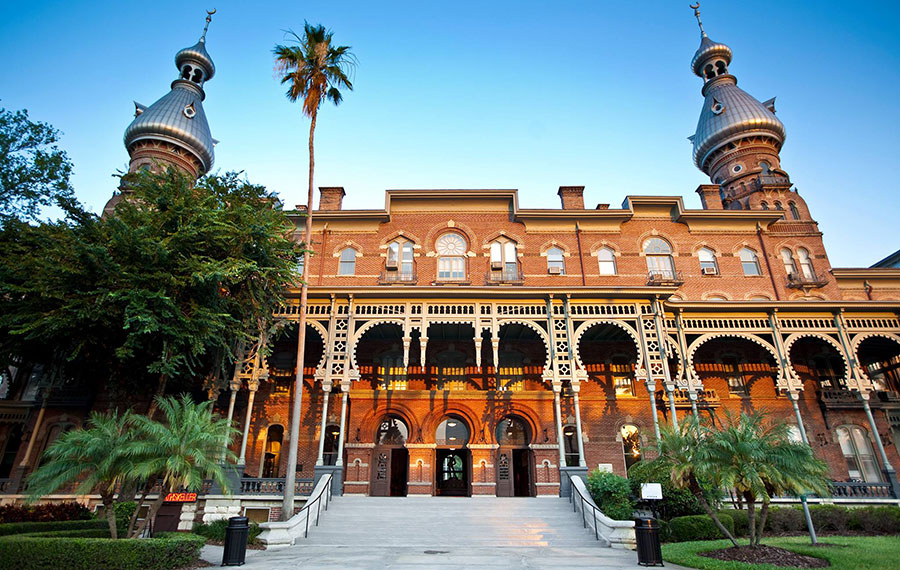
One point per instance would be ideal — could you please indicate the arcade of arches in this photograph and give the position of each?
(457, 408)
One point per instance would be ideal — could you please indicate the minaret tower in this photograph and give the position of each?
(173, 131)
(738, 139)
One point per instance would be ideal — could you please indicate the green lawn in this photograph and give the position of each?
(853, 552)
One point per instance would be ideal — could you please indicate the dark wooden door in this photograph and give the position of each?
(521, 466)
(167, 518)
(381, 472)
(504, 469)
(399, 471)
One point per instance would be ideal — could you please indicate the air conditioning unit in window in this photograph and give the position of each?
(496, 265)
(391, 264)
(554, 270)
(709, 271)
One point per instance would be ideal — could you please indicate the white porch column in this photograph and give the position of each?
(326, 393)
(576, 387)
(253, 386)
(345, 396)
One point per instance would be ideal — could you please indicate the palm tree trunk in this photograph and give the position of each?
(287, 506)
(698, 492)
(137, 508)
(763, 515)
(751, 517)
(106, 499)
(154, 508)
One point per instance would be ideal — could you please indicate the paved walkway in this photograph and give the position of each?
(437, 532)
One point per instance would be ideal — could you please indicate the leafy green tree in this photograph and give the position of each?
(97, 458)
(314, 70)
(612, 493)
(182, 450)
(684, 453)
(34, 172)
(161, 290)
(756, 457)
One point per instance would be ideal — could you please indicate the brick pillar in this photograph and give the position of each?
(420, 477)
(484, 478)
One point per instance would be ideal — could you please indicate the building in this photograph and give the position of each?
(461, 344)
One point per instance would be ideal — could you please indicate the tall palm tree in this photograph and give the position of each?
(99, 458)
(182, 451)
(756, 457)
(314, 71)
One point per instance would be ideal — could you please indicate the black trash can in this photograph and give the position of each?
(646, 532)
(236, 534)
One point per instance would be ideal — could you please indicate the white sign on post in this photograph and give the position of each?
(651, 491)
(604, 467)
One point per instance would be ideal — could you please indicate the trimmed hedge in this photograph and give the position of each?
(32, 527)
(698, 527)
(44, 513)
(215, 531)
(38, 551)
(826, 518)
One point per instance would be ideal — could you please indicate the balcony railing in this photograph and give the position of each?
(664, 278)
(849, 399)
(273, 486)
(705, 399)
(799, 281)
(501, 276)
(14, 412)
(860, 490)
(397, 277)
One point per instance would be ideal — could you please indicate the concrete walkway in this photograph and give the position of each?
(437, 532)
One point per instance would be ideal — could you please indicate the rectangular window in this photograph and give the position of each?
(451, 268)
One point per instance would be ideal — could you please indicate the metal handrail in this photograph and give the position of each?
(590, 503)
(326, 490)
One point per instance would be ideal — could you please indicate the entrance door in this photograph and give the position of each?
(453, 473)
(522, 473)
(167, 518)
(389, 472)
(504, 467)
(514, 459)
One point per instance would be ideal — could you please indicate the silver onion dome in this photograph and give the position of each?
(177, 118)
(197, 54)
(730, 113)
(707, 51)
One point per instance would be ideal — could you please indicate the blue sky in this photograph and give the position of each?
(527, 95)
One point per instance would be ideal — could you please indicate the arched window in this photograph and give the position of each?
(764, 205)
(795, 213)
(391, 431)
(399, 263)
(452, 431)
(787, 257)
(570, 443)
(504, 261)
(606, 259)
(806, 267)
(272, 453)
(348, 261)
(332, 440)
(451, 250)
(750, 262)
(631, 444)
(734, 375)
(555, 263)
(659, 258)
(778, 206)
(708, 265)
(513, 432)
(857, 449)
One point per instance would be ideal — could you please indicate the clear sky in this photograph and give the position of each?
(484, 94)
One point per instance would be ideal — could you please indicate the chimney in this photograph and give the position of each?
(330, 197)
(572, 197)
(710, 197)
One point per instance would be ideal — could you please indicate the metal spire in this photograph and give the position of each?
(696, 8)
(209, 19)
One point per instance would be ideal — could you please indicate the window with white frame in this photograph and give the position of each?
(555, 263)
(659, 258)
(606, 260)
(750, 262)
(708, 265)
(504, 260)
(806, 267)
(348, 262)
(787, 257)
(400, 258)
(451, 251)
(857, 449)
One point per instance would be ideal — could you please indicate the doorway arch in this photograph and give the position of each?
(453, 459)
(515, 460)
(390, 459)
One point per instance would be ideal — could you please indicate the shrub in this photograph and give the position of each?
(875, 520)
(698, 527)
(215, 531)
(612, 493)
(52, 550)
(785, 519)
(31, 527)
(123, 513)
(675, 502)
(830, 518)
(741, 521)
(44, 513)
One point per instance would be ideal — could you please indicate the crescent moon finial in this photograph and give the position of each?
(696, 8)
(209, 14)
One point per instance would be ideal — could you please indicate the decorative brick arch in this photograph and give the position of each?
(789, 342)
(462, 229)
(524, 414)
(692, 350)
(339, 248)
(858, 340)
(513, 237)
(400, 234)
(533, 326)
(587, 325)
(369, 424)
(357, 336)
(433, 419)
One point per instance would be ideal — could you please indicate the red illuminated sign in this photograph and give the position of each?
(181, 497)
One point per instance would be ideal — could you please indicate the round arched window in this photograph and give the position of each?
(451, 251)
(391, 431)
(513, 432)
(452, 431)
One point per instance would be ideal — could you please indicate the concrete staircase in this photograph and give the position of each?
(449, 523)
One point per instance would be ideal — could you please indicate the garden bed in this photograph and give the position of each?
(767, 555)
